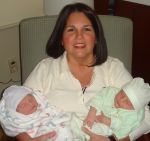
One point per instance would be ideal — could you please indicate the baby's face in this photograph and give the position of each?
(122, 101)
(28, 105)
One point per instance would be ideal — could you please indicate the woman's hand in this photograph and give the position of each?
(94, 137)
(26, 137)
(124, 139)
(45, 137)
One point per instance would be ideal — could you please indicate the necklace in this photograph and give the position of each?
(83, 89)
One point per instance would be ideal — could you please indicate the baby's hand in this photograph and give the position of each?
(91, 117)
(103, 119)
(89, 121)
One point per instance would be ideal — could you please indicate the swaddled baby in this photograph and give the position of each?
(25, 110)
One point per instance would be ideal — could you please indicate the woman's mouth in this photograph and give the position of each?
(79, 45)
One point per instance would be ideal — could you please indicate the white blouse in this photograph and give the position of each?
(54, 79)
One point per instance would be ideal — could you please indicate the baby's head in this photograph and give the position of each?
(20, 99)
(122, 101)
(137, 92)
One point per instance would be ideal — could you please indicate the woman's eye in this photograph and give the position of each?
(87, 29)
(70, 29)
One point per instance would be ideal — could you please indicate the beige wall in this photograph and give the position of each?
(9, 49)
(11, 12)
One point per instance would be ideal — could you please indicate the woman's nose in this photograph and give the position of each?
(79, 34)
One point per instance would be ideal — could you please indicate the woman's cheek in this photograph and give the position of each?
(67, 41)
(92, 39)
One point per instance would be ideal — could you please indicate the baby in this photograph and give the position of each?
(25, 110)
(116, 111)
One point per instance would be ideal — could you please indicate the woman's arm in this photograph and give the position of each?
(26, 137)
(125, 139)
(94, 137)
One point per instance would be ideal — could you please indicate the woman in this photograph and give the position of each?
(78, 66)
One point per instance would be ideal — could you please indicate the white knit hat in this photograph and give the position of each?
(138, 92)
(14, 94)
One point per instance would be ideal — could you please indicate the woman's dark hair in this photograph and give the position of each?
(54, 46)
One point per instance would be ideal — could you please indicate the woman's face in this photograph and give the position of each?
(79, 37)
(28, 105)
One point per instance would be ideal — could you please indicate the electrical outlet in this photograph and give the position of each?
(12, 66)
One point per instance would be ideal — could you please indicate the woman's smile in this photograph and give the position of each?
(80, 45)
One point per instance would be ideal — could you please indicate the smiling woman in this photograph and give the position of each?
(79, 39)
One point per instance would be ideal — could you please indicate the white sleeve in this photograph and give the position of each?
(144, 127)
